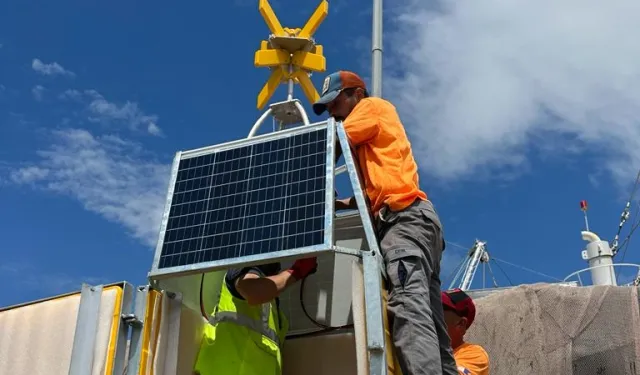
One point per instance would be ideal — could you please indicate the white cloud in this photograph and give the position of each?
(37, 92)
(71, 94)
(108, 175)
(103, 111)
(28, 175)
(152, 128)
(50, 69)
(480, 83)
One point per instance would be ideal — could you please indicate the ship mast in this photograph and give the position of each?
(477, 254)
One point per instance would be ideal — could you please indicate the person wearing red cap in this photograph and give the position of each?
(459, 313)
(407, 225)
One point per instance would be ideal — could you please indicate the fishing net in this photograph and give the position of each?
(551, 329)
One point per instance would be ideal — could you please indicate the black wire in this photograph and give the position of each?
(325, 328)
(627, 240)
(202, 309)
(493, 277)
(631, 196)
(313, 333)
(505, 274)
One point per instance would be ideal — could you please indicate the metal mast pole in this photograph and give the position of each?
(477, 253)
(376, 50)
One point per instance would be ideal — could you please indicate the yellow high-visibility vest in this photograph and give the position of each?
(241, 339)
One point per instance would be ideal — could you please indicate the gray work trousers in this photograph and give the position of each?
(412, 242)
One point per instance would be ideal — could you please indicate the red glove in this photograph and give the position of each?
(303, 268)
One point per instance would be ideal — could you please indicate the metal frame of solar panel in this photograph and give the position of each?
(250, 201)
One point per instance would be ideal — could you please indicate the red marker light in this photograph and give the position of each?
(583, 205)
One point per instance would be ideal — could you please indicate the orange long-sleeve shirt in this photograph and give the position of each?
(389, 170)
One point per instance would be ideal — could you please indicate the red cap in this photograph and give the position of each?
(333, 84)
(460, 303)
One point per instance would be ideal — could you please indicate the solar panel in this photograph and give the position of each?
(258, 197)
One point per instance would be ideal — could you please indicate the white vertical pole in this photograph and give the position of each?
(376, 50)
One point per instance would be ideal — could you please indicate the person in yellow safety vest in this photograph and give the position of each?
(247, 329)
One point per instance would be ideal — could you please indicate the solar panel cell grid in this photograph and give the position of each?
(249, 200)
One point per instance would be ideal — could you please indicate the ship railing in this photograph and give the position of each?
(629, 277)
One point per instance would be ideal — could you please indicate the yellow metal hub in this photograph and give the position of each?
(291, 54)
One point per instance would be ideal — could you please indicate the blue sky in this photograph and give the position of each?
(511, 130)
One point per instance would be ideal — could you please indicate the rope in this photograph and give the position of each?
(465, 248)
(493, 277)
(505, 274)
(526, 269)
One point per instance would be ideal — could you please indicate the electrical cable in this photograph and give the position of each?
(624, 216)
(325, 328)
(202, 309)
(625, 244)
(626, 241)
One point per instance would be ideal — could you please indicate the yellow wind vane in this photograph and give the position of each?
(291, 54)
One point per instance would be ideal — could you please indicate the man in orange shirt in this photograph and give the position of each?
(407, 225)
(459, 313)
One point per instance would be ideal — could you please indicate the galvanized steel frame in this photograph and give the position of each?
(373, 265)
(327, 245)
(136, 323)
(174, 307)
(120, 360)
(84, 341)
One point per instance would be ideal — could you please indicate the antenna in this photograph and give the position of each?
(598, 253)
(584, 206)
(292, 56)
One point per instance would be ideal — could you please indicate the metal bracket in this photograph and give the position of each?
(132, 320)
(291, 44)
(289, 112)
(126, 306)
(357, 186)
(286, 113)
(136, 324)
(173, 336)
(84, 339)
(374, 314)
